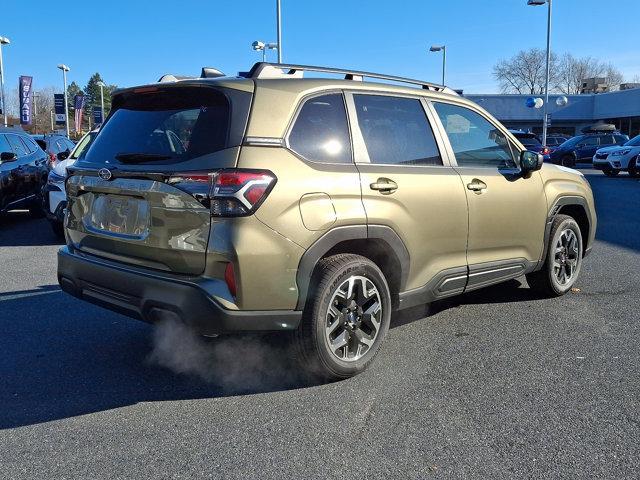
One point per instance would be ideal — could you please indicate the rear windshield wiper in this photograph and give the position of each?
(141, 157)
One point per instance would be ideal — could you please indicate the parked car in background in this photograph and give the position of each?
(23, 172)
(531, 141)
(556, 140)
(54, 196)
(582, 148)
(619, 158)
(58, 147)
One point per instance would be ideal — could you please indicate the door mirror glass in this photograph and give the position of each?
(7, 156)
(64, 155)
(530, 161)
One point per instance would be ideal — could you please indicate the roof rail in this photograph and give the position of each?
(276, 70)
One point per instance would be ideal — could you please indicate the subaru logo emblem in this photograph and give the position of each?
(104, 174)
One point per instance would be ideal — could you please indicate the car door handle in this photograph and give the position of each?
(477, 185)
(384, 185)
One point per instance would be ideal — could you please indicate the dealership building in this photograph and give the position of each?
(621, 108)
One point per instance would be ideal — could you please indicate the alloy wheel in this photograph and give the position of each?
(567, 256)
(353, 318)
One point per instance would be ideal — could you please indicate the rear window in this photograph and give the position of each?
(163, 126)
(528, 140)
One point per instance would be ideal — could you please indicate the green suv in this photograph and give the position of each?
(274, 202)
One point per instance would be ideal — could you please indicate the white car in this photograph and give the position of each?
(619, 158)
(54, 194)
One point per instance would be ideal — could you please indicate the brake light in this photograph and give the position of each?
(546, 150)
(52, 159)
(240, 192)
(230, 279)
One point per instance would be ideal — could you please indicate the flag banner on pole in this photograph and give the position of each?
(97, 115)
(26, 99)
(58, 105)
(78, 104)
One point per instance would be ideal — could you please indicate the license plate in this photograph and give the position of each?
(119, 215)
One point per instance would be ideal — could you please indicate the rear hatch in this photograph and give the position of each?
(140, 193)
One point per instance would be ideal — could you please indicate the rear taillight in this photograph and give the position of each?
(545, 151)
(53, 159)
(240, 192)
(228, 193)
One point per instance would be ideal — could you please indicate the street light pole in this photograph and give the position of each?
(65, 69)
(443, 48)
(3, 41)
(545, 119)
(279, 31)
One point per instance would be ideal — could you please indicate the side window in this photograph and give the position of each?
(320, 132)
(17, 145)
(475, 141)
(619, 139)
(396, 131)
(607, 140)
(589, 142)
(4, 144)
(27, 144)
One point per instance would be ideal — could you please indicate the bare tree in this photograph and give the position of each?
(525, 72)
(572, 71)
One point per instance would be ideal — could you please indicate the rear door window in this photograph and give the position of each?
(475, 141)
(18, 147)
(396, 131)
(163, 126)
(320, 132)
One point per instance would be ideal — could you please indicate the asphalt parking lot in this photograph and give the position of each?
(495, 384)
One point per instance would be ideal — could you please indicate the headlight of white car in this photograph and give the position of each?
(619, 153)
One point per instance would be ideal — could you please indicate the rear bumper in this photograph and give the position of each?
(152, 296)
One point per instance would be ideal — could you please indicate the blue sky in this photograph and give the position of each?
(133, 42)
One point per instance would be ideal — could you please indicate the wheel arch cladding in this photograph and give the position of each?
(578, 209)
(378, 243)
(579, 214)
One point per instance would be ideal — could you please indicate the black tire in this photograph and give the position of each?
(633, 167)
(546, 281)
(57, 228)
(312, 337)
(568, 161)
(610, 172)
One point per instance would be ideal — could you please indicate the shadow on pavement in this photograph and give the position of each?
(61, 358)
(18, 229)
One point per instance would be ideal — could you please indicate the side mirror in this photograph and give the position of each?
(8, 156)
(64, 155)
(530, 161)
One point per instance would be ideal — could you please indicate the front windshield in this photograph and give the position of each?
(634, 142)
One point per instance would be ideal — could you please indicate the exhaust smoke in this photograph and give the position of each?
(238, 363)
